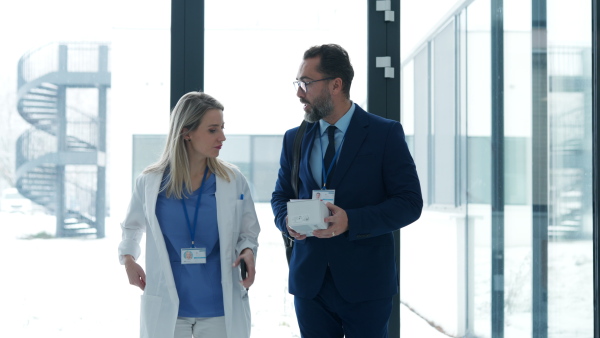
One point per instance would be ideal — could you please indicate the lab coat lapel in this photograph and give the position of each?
(151, 197)
(223, 195)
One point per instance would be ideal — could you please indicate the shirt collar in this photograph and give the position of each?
(342, 124)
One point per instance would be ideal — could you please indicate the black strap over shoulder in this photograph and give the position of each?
(295, 179)
(296, 157)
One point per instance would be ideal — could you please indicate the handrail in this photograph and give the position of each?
(44, 74)
(82, 57)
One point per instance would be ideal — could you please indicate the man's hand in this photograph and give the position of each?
(338, 220)
(293, 233)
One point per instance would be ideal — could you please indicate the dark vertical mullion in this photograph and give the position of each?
(187, 47)
(392, 98)
(497, 278)
(596, 163)
(194, 45)
(539, 139)
(376, 45)
(177, 50)
(383, 97)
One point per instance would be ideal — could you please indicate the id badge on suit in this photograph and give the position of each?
(324, 195)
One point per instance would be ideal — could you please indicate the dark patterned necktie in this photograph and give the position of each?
(330, 152)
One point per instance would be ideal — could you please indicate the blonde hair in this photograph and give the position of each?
(188, 113)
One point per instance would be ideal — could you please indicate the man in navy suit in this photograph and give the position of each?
(343, 278)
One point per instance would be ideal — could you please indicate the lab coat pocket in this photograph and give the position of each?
(238, 216)
(243, 292)
(150, 308)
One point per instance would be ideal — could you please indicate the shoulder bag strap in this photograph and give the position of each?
(295, 178)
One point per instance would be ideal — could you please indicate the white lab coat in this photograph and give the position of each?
(238, 229)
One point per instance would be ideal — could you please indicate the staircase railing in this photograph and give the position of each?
(59, 160)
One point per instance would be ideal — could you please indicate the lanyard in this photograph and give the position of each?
(335, 156)
(187, 218)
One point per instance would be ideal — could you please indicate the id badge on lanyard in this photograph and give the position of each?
(193, 256)
(324, 195)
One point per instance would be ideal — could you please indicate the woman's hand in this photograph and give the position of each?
(248, 256)
(135, 273)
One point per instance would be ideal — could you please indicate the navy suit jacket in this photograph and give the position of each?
(376, 183)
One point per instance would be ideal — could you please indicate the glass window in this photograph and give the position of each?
(421, 119)
(79, 79)
(570, 247)
(546, 218)
(444, 115)
(518, 140)
(252, 56)
(408, 104)
(267, 47)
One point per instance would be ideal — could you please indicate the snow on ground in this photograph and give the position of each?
(75, 287)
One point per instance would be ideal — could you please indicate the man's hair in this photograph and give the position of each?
(335, 62)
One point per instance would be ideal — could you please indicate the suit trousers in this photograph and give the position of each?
(329, 315)
(212, 327)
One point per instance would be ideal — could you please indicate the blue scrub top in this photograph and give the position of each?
(198, 285)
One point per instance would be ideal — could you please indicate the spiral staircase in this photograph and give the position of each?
(62, 93)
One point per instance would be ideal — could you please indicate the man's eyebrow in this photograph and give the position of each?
(304, 78)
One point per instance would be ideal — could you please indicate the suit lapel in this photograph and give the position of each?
(355, 136)
(307, 146)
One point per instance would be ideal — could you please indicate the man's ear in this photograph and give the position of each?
(337, 85)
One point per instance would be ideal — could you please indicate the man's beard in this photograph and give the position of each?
(321, 107)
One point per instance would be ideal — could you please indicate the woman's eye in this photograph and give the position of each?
(212, 130)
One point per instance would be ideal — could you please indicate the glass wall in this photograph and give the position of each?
(545, 281)
(570, 247)
(479, 170)
(253, 52)
(78, 79)
(252, 56)
(251, 60)
(59, 286)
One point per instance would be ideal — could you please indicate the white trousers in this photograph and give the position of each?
(213, 327)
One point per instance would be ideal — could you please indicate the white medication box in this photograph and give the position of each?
(305, 216)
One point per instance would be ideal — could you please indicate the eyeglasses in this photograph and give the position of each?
(304, 85)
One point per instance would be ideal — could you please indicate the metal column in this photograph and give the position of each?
(61, 145)
(383, 92)
(596, 162)
(539, 138)
(187, 48)
(101, 151)
(497, 52)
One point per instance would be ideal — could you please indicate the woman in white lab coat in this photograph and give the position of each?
(200, 224)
